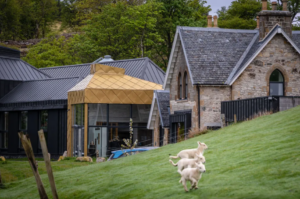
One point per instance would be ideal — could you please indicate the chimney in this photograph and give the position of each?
(209, 21)
(257, 22)
(270, 18)
(274, 5)
(264, 4)
(284, 5)
(215, 21)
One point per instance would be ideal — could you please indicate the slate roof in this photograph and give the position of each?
(163, 102)
(142, 68)
(212, 53)
(215, 56)
(40, 90)
(18, 70)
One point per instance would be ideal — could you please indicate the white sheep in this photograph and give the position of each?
(193, 175)
(191, 153)
(188, 163)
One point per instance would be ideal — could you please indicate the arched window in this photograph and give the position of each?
(276, 83)
(179, 86)
(185, 81)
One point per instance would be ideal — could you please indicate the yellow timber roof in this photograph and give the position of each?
(110, 85)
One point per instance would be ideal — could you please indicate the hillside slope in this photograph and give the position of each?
(255, 159)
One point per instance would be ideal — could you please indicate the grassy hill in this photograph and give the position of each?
(255, 159)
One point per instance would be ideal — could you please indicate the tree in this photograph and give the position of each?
(52, 51)
(241, 14)
(294, 8)
(178, 13)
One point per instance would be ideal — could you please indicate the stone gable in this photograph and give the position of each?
(278, 54)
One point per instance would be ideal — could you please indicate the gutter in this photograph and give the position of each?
(199, 120)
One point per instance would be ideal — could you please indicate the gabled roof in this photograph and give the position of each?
(142, 68)
(257, 47)
(110, 85)
(19, 70)
(216, 56)
(40, 90)
(160, 102)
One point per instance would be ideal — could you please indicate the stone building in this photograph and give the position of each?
(211, 65)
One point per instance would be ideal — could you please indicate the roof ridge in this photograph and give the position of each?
(217, 29)
(66, 66)
(58, 78)
(10, 48)
(124, 60)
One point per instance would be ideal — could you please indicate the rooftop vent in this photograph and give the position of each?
(107, 58)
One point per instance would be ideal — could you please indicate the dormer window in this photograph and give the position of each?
(276, 83)
(179, 86)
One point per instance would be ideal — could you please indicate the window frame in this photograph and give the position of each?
(179, 92)
(277, 82)
(185, 81)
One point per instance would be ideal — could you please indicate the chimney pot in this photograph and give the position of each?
(284, 5)
(215, 21)
(257, 22)
(274, 5)
(209, 21)
(264, 4)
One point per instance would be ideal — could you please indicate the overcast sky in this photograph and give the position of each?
(217, 4)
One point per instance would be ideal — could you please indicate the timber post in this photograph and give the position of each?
(47, 163)
(235, 121)
(29, 153)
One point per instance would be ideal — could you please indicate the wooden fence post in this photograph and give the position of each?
(29, 153)
(47, 163)
(235, 121)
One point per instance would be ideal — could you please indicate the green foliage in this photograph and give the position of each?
(237, 23)
(296, 27)
(240, 14)
(52, 51)
(293, 6)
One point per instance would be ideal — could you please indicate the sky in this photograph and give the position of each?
(217, 4)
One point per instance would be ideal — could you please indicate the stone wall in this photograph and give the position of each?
(286, 103)
(268, 19)
(191, 102)
(210, 104)
(254, 81)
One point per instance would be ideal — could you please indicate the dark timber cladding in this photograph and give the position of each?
(250, 108)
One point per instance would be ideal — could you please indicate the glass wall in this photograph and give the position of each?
(78, 130)
(3, 130)
(109, 125)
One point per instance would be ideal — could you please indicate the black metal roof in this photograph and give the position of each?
(8, 52)
(40, 90)
(142, 68)
(18, 70)
(163, 102)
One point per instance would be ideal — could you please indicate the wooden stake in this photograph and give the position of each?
(47, 163)
(235, 118)
(29, 153)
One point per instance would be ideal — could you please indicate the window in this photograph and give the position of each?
(179, 86)
(185, 80)
(276, 83)
(23, 124)
(4, 130)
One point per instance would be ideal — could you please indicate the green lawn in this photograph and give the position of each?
(255, 159)
(19, 169)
